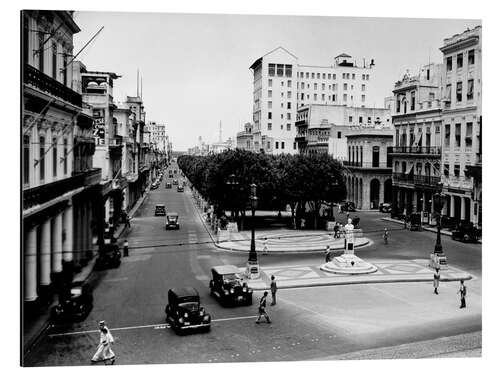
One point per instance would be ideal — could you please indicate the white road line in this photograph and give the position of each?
(154, 326)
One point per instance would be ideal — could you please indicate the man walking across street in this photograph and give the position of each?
(262, 309)
(274, 288)
(437, 277)
(462, 291)
(104, 352)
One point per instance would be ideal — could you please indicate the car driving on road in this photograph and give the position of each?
(228, 287)
(184, 311)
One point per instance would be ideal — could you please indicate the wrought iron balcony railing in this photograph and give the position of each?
(43, 82)
(354, 164)
(419, 150)
(416, 179)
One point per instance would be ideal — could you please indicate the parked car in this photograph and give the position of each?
(75, 306)
(180, 189)
(385, 207)
(168, 185)
(348, 206)
(228, 287)
(175, 182)
(160, 210)
(415, 221)
(155, 185)
(109, 257)
(172, 220)
(184, 312)
(466, 232)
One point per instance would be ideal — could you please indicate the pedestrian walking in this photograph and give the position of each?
(327, 253)
(340, 208)
(262, 309)
(336, 230)
(437, 277)
(463, 292)
(265, 249)
(274, 288)
(125, 248)
(104, 352)
(386, 236)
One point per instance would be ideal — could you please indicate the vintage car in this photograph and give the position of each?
(348, 206)
(155, 185)
(465, 232)
(160, 210)
(172, 220)
(228, 287)
(385, 207)
(415, 221)
(184, 312)
(75, 305)
(109, 257)
(180, 188)
(175, 182)
(168, 185)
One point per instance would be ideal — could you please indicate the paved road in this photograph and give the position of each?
(310, 323)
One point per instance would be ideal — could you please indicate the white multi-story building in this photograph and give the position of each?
(282, 85)
(462, 120)
(159, 136)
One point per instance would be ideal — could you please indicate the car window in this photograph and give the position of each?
(190, 306)
(230, 277)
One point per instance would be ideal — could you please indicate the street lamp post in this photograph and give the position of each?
(232, 183)
(252, 264)
(438, 258)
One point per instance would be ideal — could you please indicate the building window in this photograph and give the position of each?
(288, 127)
(363, 87)
(269, 126)
(470, 55)
(339, 135)
(54, 60)
(289, 94)
(459, 91)
(270, 82)
(447, 135)
(279, 70)
(269, 115)
(302, 85)
(348, 75)
(367, 77)
(282, 145)
(288, 116)
(468, 135)
(315, 86)
(54, 157)
(350, 119)
(289, 105)
(449, 64)
(322, 86)
(363, 98)
(312, 75)
(323, 97)
(40, 52)
(269, 104)
(268, 145)
(288, 72)
(302, 96)
(289, 83)
(345, 97)
(345, 86)
(353, 76)
(301, 74)
(41, 160)
(281, 126)
(460, 60)
(307, 75)
(458, 128)
(277, 145)
(333, 97)
(294, 145)
(470, 89)
(329, 75)
(272, 69)
(315, 97)
(360, 119)
(334, 76)
(26, 159)
(269, 93)
(456, 170)
(446, 170)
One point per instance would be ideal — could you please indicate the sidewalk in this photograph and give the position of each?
(389, 271)
(33, 329)
(427, 228)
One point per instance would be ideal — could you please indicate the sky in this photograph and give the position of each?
(195, 67)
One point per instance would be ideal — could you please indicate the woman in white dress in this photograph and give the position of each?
(104, 352)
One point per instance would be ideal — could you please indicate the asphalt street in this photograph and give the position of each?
(307, 323)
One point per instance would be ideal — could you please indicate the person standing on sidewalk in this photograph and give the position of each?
(463, 292)
(437, 277)
(274, 288)
(386, 236)
(125, 248)
(104, 352)
(327, 253)
(262, 309)
(265, 249)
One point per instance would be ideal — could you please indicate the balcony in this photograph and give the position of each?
(416, 150)
(422, 180)
(45, 193)
(366, 165)
(43, 82)
(458, 183)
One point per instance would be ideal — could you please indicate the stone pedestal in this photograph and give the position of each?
(253, 270)
(348, 264)
(438, 261)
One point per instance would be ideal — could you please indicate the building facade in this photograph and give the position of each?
(417, 141)
(462, 122)
(282, 85)
(368, 167)
(58, 179)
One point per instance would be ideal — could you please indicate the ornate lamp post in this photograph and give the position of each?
(438, 258)
(232, 183)
(252, 264)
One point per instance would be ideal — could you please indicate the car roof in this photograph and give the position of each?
(184, 291)
(160, 205)
(226, 269)
(172, 214)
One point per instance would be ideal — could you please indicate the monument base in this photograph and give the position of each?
(438, 261)
(348, 264)
(253, 270)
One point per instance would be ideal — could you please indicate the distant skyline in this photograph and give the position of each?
(195, 67)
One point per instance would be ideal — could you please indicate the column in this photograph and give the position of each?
(56, 238)
(452, 205)
(68, 240)
(415, 200)
(30, 259)
(45, 253)
(381, 193)
(462, 208)
(355, 200)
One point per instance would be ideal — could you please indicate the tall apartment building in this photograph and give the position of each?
(462, 120)
(282, 85)
(417, 141)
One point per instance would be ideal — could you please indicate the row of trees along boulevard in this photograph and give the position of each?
(304, 182)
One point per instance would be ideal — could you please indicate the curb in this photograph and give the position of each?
(358, 282)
